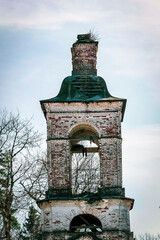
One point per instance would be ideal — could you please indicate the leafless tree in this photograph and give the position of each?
(18, 143)
(148, 236)
(34, 183)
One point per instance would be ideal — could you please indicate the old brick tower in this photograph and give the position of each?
(85, 197)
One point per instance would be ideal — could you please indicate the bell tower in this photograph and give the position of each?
(85, 197)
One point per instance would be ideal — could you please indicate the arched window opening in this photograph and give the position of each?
(85, 161)
(85, 168)
(85, 223)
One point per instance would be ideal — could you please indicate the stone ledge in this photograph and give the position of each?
(112, 191)
(114, 234)
(102, 192)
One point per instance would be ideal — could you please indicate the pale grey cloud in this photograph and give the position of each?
(142, 148)
(51, 14)
(45, 15)
(141, 164)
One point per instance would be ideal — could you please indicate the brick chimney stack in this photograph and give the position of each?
(84, 55)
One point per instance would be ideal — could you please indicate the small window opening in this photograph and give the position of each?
(85, 223)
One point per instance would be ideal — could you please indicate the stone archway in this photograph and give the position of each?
(84, 158)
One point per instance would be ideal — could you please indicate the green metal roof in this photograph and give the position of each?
(81, 88)
(84, 88)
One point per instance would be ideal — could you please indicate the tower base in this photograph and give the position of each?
(85, 218)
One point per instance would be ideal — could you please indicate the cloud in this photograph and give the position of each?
(141, 164)
(142, 152)
(52, 14)
(44, 15)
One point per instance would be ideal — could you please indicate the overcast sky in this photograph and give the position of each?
(35, 41)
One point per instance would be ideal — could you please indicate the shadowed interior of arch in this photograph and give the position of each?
(85, 223)
(84, 133)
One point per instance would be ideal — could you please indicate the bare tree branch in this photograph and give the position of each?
(18, 141)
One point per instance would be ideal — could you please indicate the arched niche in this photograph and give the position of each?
(85, 223)
(84, 158)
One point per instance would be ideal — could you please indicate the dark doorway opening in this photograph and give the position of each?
(85, 223)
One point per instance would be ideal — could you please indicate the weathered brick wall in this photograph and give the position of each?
(59, 163)
(107, 122)
(105, 118)
(111, 162)
(84, 58)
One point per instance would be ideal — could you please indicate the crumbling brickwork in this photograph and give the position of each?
(104, 116)
(84, 56)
